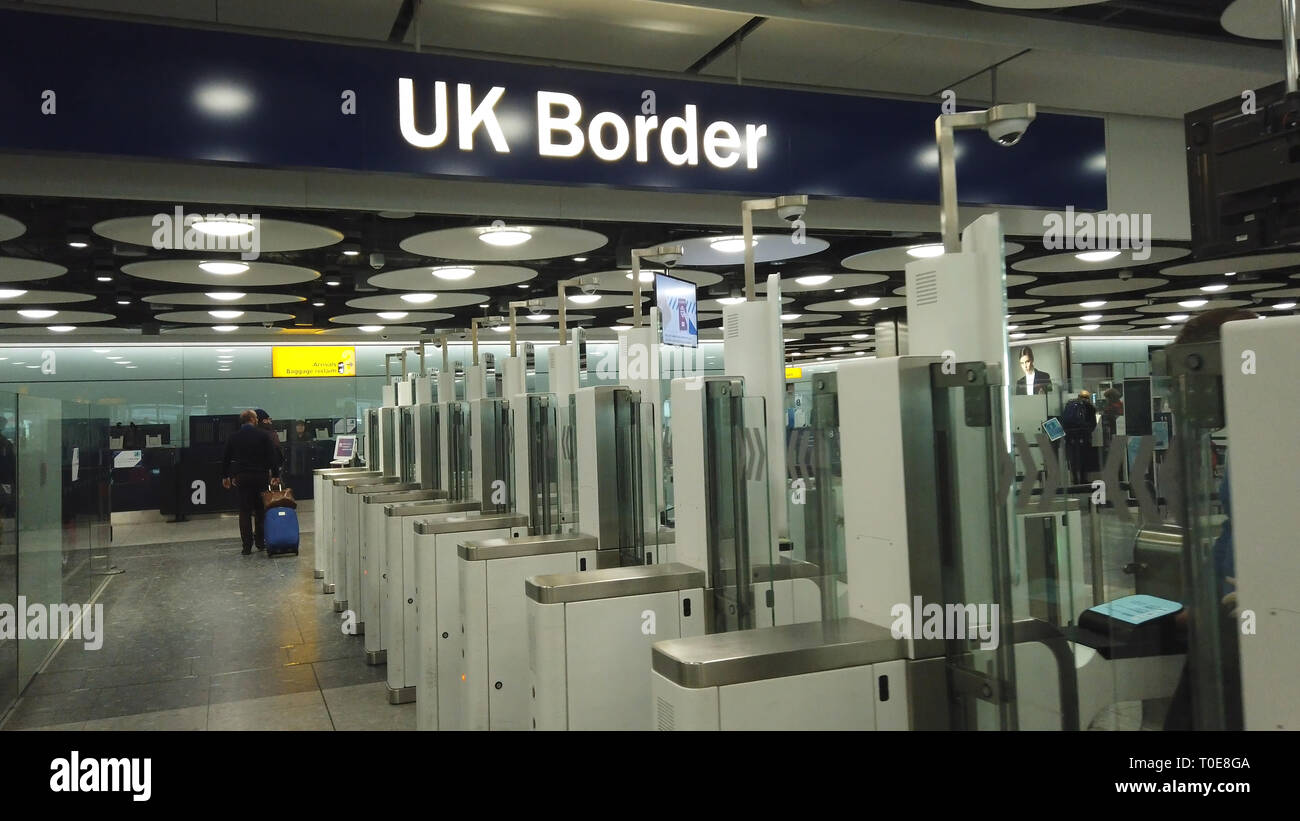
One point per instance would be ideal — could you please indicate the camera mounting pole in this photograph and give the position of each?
(944, 126)
(560, 286)
(747, 209)
(657, 252)
(519, 303)
(1289, 46)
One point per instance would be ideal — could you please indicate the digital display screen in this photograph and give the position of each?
(345, 447)
(676, 302)
(1052, 427)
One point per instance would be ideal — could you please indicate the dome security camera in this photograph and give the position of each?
(588, 285)
(792, 212)
(670, 259)
(1008, 132)
(376, 261)
(1125, 274)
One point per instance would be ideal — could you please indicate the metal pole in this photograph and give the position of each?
(636, 289)
(948, 224)
(446, 362)
(1288, 44)
(513, 350)
(747, 232)
(560, 287)
(473, 338)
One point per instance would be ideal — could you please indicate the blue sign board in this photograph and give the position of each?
(71, 84)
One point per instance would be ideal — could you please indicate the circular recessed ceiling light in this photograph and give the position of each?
(863, 301)
(1090, 317)
(790, 317)
(124, 301)
(225, 329)
(861, 336)
(646, 276)
(453, 272)
(1096, 256)
(224, 296)
(1192, 303)
(859, 353)
(538, 317)
(419, 299)
(1176, 317)
(318, 304)
(223, 227)
(1230, 273)
(103, 278)
(837, 348)
(10, 293)
(730, 300)
(925, 251)
(225, 314)
(61, 329)
(36, 313)
(1219, 286)
(223, 268)
(1284, 306)
(1089, 327)
(622, 328)
(579, 259)
(392, 314)
(731, 245)
(505, 237)
(816, 279)
(501, 329)
(370, 329)
(76, 243)
(584, 299)
(1093, 303)
(1012, 327)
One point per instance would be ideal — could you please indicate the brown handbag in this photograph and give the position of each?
(278, 498)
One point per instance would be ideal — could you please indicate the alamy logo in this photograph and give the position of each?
(79, 622)
(1103, 232)
(950, 622)
(77, 774)
(179, 231)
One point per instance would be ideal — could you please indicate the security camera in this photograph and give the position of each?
(1008, 132)
(670, 259)
(1125, 274)
(376, 261)
(790, 213)
(588, 285)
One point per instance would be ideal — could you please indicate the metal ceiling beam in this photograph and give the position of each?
(726, 45)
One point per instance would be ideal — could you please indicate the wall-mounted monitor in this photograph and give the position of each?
(345, 447)
(675, 299)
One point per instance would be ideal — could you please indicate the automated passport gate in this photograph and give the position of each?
(435, 608)
(613, 448)
(335, 520)
(589, 635)
(322, 506)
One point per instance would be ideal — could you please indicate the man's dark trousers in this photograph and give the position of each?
(252, 518)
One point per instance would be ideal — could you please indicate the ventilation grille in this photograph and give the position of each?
(927, 288)
(731, 328)
(664, 711)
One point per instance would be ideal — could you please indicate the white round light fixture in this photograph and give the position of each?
(393, 315)
(1096, 256)
(1176, 317)
(225, 329)
(731, 245)
(1192, 303)
(419, 299)
(61, 329)
(790, 317)
(1089, 327)
(864, 301)
(36, 313)
(224, 296)
(730, 300)
(925, 251)
(370, 329)
(1214, 288)
(225, 314)
(1093, 303)
(646, 276)
(10, 293)
(505, 237)
(221, 268)
(223, 227)
(1090, 317)
(584, 299)
(454, 272)
(816, 279)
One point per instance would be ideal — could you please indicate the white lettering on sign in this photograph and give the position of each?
(563, 133)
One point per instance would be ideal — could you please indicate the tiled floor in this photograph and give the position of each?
(198, 637)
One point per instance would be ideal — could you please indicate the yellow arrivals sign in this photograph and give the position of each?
(311, 360)
(793, 373)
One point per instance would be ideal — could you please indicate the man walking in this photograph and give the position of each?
(249, 460)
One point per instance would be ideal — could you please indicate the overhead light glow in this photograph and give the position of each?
(225, 314)
(223, 370)
(1192, 303)
(225, 296)
(501, 329)
(1093, 303)
(1176, 317)
(1091, 327)
(225, 329)
(538, 317)
(584, 299)
(221, 268)
(223, 99)
(318, 304)
(1165, 327)
(579, 259)
(859, 353)
(112, 357)
(224, 227)
(646, 276)
(1215, 288)
(837, 348)
(76, 243)
(816, 279)
(861, 336)
(505, 237)
(392, 315)
(61, 329)
(419, 299)
(1018, 335)
(925, 251)
(622, 328)
(1090, 317)
(1012, 327)
(790, 317)
(1284, 306)
(103, 278)
(1229, 273)
(453, 272)
(10, 293)
(124, 302)
(864, 301)
(36, 313)
(731, 245)
(839, 290)
(370, 329)
(730, 300)
(1096, 256)
(101, 350)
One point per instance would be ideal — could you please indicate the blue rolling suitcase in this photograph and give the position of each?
(281, 531)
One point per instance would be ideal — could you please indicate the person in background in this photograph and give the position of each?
(251, 459)
(1079, 418)
(264, 422)
(1207, 327)
(1034, 381)
(1112, 408)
